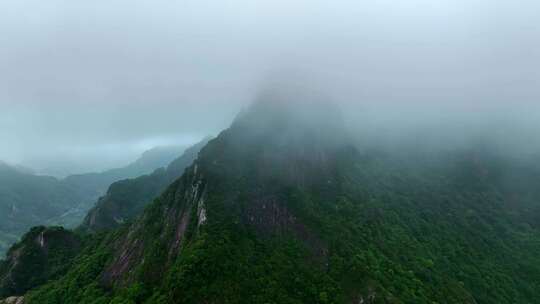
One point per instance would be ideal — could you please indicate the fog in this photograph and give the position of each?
(96, 83)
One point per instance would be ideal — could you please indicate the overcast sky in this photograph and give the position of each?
(97, 82)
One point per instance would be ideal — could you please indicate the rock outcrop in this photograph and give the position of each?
(13, 300)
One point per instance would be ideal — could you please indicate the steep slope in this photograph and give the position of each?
(127, 198)
(279, 208)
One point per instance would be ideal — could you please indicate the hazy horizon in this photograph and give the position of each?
(94, 84)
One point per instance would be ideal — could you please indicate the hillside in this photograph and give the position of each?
(46, 253)
(95, 185)
(281, 208)
(28, 200)
(42, 254)
(127, 198)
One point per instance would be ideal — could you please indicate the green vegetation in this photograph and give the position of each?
(28, 200)
(126, 199)
(41, 255)
(399, 238)
(269, 215)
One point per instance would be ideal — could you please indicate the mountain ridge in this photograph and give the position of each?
(125, 199)
(273, 211)
(28, 200)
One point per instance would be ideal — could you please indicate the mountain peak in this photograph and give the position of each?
(294, 102)
(292, 115)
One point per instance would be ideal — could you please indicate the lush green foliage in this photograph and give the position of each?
(43, 254)
(390, 235)
(278, 213)
(80, 284)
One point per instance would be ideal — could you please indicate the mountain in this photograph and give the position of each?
(148, 162)
(94, 185)
(28, 200)
(48, 251)
(281, 208)
(45, 253)
(127, 198)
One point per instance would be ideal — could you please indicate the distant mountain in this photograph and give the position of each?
(127, 198)
(281, 208)
(149, 161)
(28, 200)
(156, 157)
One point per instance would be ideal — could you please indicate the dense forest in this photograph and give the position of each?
(279, 209)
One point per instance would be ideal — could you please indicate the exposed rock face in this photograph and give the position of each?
(13, 300)
(179, 208)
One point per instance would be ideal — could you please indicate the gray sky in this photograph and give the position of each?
(97, 82)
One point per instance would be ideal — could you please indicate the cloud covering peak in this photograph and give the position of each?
(99, 81)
